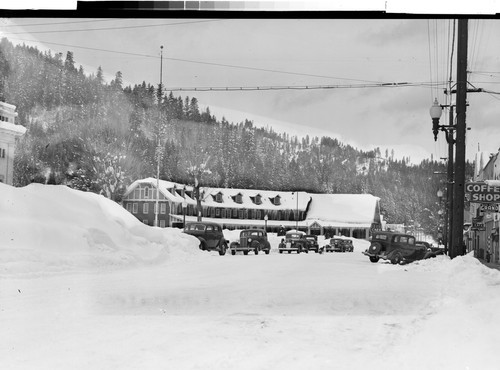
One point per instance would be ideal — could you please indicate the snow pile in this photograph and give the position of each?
(56, 229)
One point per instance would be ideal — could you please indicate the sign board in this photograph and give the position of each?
(489, 207)
(478, 226)
(480, 192)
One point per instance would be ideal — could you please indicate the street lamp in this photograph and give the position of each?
(265, 219)
(435, 112)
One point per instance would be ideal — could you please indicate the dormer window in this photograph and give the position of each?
(277, 200)
(218, 197)
(257, 199)
(238, 198)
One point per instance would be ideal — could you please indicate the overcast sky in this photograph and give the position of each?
(353, 55)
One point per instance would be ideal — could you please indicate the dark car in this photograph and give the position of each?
(429, 246)
(312, 243)
(210, 236)
(347, 245)
(294, 242)
(251, 240)
(333, 245)
(396, 247)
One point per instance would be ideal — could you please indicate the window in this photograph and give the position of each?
(217, 212)
(212, 212)
(2, 153)
(239, 198)
(145, 208)
(163, 208)
(277, 200)
(135, 208)
(258, 214)
(137, 193)
(146, 193)
(129, 207)
(223, 213)
(235, 213)
(218, 198)
(258, 199)
(241, 213)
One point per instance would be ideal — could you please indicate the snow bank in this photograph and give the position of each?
(49, 228)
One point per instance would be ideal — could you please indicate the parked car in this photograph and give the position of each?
(254, 240)
(348, 246)
(333, 245)
(312, 243)
(397, 248)
(295, 241)
(429, 246)
(210, 236)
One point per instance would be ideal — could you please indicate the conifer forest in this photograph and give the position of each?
(100, 136)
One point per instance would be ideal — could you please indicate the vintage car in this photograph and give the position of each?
(254, 240)
(436, 250)
(312, 243)
(295, 241)
(348, 246)
(396, 247)
(335, 244)
(210, 236)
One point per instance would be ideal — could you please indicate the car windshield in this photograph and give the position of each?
(196, 227)
(293, 236)
(251, 233)
(380, 236)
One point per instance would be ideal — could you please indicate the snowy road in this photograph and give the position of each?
(232, 312)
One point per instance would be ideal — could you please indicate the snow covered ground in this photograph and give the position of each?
(84, 285)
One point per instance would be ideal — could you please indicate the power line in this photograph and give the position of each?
(307, 87)
(199, 62)
(114, 28)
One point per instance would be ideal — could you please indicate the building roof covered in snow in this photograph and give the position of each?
(344, 210)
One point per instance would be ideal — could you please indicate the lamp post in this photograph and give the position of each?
(297, 218)
(266, 217)
(184, 206)
(445, 226)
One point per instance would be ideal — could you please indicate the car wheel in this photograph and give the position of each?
(374, 259)
(267, 251)
(222, 250)
(245, 252)
(202, 246)
(281, 251)
(289, 252)
(256, 251)
(397, 258)
(233, 252)
(375, 248)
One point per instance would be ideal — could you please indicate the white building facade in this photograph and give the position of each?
(9, 134)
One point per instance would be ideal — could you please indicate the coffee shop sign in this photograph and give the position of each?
(481, 192)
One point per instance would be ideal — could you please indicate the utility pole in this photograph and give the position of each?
(449, 185)
(158, 147)
(461, 128)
